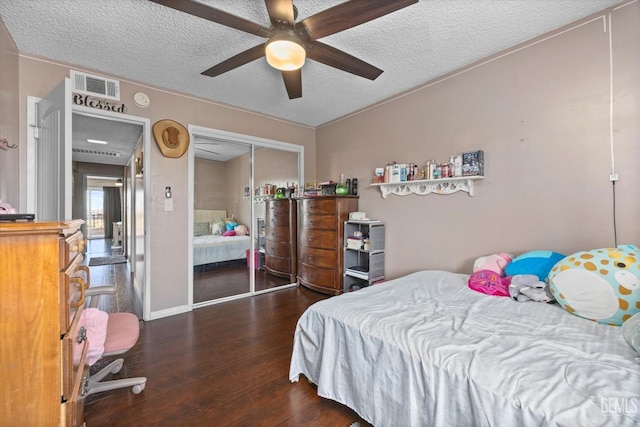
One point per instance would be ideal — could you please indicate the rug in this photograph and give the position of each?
(107, 260)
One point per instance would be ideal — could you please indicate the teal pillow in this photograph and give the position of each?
(201, 229)
(539, 263)
(631, 331)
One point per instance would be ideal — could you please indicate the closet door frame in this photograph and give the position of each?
(254, 142)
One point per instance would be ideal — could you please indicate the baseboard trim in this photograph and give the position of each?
(169, 312)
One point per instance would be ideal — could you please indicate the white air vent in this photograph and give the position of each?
(96, 152)
(90, 84)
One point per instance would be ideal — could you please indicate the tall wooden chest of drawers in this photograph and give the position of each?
(320, 241)
(280, 233)
(43, 350)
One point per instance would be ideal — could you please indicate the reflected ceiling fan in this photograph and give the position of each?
(289, 42)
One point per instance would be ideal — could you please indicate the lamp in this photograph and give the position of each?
(284, 52)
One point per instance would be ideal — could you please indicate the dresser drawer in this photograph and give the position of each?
(281, 249)
(278, 207)
(323, 239)
(318, 222)
(73, 409)
(318, 206)
(74, 352)
(72, 245)
(319, 276)
(278, 264)
(278, 233)
(323, 258)
(74, 281)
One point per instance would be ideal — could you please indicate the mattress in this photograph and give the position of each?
(425, 350)
(208, 249)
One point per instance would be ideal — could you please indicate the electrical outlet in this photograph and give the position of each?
(613, 177)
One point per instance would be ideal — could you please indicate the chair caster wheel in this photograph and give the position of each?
(137, 389)
(116, 369)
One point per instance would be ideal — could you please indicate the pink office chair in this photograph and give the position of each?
(109, 335)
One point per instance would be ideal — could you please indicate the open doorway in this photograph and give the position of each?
(90, 143)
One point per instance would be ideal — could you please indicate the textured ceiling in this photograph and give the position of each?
(147, 42)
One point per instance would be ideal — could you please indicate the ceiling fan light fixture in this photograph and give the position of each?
(284, 52)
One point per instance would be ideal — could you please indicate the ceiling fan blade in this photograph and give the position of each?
(216, 15)
(280, 13)
(293, 83)
(236, 61)
(341, 60)
(346, 15)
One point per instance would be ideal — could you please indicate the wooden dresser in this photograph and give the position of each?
(43, 350)
(320, 241)
(280, 233)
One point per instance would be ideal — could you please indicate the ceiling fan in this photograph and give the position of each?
(289, 42)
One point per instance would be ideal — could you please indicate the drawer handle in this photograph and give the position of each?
(85, 268)
(78, 245)
(82, 335)
(84, 387)
(79, 281)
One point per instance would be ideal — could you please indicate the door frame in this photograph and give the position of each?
(118, 117)
(253, 142)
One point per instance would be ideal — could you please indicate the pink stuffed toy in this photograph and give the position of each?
(495, 263)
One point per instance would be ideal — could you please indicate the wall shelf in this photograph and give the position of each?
(424, 187)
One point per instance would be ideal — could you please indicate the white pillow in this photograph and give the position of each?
(215, 229)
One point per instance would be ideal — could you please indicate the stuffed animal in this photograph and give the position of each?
(534, 262)
(527, 287)
(495, 263)
(600, 284)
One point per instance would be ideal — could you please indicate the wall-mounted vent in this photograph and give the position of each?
(90, 84)
(96, 152)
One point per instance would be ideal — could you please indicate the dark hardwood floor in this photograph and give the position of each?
(224, 279)
(222, 365)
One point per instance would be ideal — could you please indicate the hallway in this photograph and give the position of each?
(118, 275)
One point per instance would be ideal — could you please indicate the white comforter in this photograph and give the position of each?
(425, 350)
(209, 248)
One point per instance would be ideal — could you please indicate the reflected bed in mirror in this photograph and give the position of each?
(210, 245)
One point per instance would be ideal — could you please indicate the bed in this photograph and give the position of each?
(209, 248)
(425, 350)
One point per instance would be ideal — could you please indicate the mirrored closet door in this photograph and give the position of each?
(243, 214)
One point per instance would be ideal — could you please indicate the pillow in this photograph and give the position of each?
(242, 230)
(490, 283)
(600, 284)
(201, 229)
(95, 323)
(215, 229)
(631, 331)
(495, 262)
(534, 262)
(221, 222)
(229, 233)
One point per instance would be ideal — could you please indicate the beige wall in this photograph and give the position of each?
(167, 230)
(209, 184)
(541, 114)
(10, 164)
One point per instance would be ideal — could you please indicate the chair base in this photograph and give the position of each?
(96, 386)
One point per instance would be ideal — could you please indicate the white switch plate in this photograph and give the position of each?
(168, 204)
